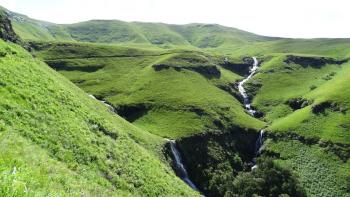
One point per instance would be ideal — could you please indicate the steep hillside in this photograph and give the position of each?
(305, 100)
(179, 82)
(56, 140)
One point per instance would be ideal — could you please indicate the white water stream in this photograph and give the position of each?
(179, 167)
(260, 141)
(241, 89)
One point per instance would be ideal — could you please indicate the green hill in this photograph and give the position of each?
(119, 32)
(158, 90)
(178, 82)
(56, 140)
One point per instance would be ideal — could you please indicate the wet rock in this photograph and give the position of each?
(258, 114)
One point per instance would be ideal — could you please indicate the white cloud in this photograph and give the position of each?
(286, 18)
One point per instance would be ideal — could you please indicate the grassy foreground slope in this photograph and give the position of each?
(56, 140)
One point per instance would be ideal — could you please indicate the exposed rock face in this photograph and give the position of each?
(239, 68)
(322, 107)
(206, 71)
(208, 156)
(132, 112)
(315, 62)
(64, 65)
(297, 103)
(6, 31)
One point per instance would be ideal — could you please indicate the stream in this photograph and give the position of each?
(179, 167)
(247, 104)
(242, 91)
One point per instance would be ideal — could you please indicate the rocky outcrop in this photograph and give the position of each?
(208, 71)
(239, 68)
(64, 65)
(208, 156)
(6, 31)
(321, 108)
(132, 112)
(297, 103)
(315, 62)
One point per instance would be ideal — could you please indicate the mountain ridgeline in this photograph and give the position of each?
(186, 110)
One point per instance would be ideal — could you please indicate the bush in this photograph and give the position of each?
(269, 179)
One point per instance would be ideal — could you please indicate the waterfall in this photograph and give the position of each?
(179, 167)
(258, 147)
(243, 92)
(260, 141)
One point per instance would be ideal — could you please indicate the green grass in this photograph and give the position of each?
(62, 142)
(174, 73)
(172, 95)
(321, 173)
(281, 82)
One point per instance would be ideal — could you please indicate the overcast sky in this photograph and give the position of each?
(285, 18)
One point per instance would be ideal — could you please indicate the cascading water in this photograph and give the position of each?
(241, 89)
(258, 147)
(105, 103)
(259, 142)
(179, 167)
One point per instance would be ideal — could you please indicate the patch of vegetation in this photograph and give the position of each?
(321, 173)
(56, 140)
(268, 179)
(169, 84)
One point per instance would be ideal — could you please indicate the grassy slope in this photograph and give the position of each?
(332, 125)
(337, 48)
(114, 31)
(135, 86)
(294, 81)
(171, 96)
(56, 140)
(322, 173)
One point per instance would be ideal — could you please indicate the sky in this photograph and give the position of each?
(282, 18)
